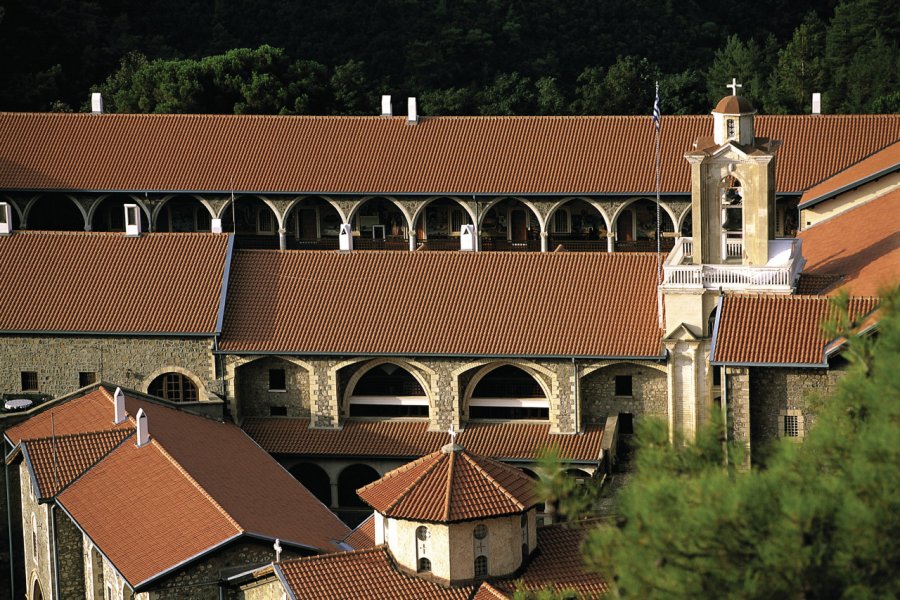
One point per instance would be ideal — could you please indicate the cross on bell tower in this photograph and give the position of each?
(734, 85)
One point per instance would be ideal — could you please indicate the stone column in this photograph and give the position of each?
(610, 242)
(412, 241)
(545, 241)
(282, 239)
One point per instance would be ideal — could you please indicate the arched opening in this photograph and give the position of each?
(36, 592)
(481, 567)
(534, 476)
(313, 224)
(731, 198)
(174, 387)
(510, 225)
(438, 225)
(55, 212)
(508, 393)
(687, 224)
(581, 477)
(97, 574)
(183, 213)
(15, 223)
(109, 215)
(388, 390)
(351, 479)
(379, 224)
(315, 479)
(423, 547)
(577, 226)
(636, 228)
(253, 222)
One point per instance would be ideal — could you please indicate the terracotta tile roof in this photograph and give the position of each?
(443, 303)
(560, 564)
(488, 592)
(861, 244)
(411, 439)
(369, 574)
(464, 155)
(451, 485)
(776, 329)
(105, 282)
(813, 285)
(874, 166)
(364, 534)
(57, 462)
(196, 485)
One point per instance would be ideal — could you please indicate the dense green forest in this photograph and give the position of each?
(457, 57)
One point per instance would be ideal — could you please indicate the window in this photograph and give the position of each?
(717, 375)
(86, 378)
(480, 531)
(29, 381)
(623, 385)
(561, 221)
(276, 380)
(481, 569)
(174, 387)
(265, 221)
(278, 411)
(422, 534)
(730, 128)
(424, 565)
(791, 424)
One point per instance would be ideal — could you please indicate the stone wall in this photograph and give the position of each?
(270, 589)
(70, 548)
(35, 528)
(129, 362)
(738, 401)
(257, 400)
(649, 395)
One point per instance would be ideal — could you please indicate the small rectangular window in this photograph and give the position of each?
(276, 380)
(86, 378)
(791, 426)
(623, 385)
(278, 411)
(29, 381)
(717, 375)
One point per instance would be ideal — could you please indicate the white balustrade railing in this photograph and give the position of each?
(734, 248)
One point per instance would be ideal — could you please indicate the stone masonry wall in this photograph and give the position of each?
(649, 393)
(124, 361)
(37, 557)
(70, 548)
(257, 399)
(738, 399)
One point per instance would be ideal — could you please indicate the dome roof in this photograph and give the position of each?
(733, 105)
(451, 485)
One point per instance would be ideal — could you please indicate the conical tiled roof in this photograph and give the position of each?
(451, 485)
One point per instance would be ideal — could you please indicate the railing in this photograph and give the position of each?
(687, 247)
(361, 243)
(319, 244)
(576, 245)
(734, 248)
(439, 244)
(665, 244)
(492, 244)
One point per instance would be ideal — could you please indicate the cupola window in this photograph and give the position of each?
(423, 563)
(730, 129)
(481, 567)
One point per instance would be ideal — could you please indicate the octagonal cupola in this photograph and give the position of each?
(454, 517)
(733, 118)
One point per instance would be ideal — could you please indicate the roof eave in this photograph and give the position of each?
(848, 187)
(656, 357)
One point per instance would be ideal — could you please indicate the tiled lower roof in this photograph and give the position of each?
(364, 534)
(443, 303)
(451, 485)
(369, 574)
(58, 461)
(383, 155)
(877, 165)
(409, 439)
(92, 282)
(776, 330)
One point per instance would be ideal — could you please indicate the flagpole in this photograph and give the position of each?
(659, 307)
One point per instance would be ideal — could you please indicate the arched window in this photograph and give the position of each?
(315, 479)
(422, 547)
(424, 565)
(732, 201)
(36, 592)
(34, 542)
(351, 479)
(481, 566)
(388, 390)
(422, 533)
(508, 392)
(174, 387)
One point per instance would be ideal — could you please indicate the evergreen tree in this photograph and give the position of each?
(800, 70)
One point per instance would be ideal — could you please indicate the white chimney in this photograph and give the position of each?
(386, 108)
(5, 218)
(119, 399)
(132, 220)
(467, 238)
(97, 103)
(816, 103)
(216, 226)
(412, 115)
(346, 238)
(143, 434)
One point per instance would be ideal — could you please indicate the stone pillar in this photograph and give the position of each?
(545, 237)
(737, 386)
(282, 239)
(334, 494)
(610, 242)
(412, 241)
(324, 404)
(231, 388)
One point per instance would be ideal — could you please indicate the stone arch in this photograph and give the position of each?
(536, 372)
(631, 202)
(103, 203)
(380, 223)
(166, 204)
(351, 478)
(327, 227)
(315, 479)
(391, 199)
(28, 220)
(37, 593)
(499, 229)
(438, 221)
(596, 205)
(685, 221)
(251, 399)
(413, 368)
(588, 369)
(17, 214)
(420, 209)
(202, 393)
(528, 203)
(623, 387)
(255, 221)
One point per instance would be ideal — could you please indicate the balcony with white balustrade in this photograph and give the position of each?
(778, 275)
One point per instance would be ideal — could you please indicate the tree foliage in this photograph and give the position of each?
(822, 520)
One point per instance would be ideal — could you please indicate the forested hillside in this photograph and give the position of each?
(458, 57)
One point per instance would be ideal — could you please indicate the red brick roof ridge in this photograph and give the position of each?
(448, 496)
(402, 469)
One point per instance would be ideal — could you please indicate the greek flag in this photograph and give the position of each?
(656, 109)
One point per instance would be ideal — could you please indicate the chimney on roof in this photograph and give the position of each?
(5, 218)
(132, 220)
(97, 103)
(467, 237)
(412, 115)
(346, 238)
(216, 226)
(143, 434)
(816, 103)
(119, 400)
(386, 108)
